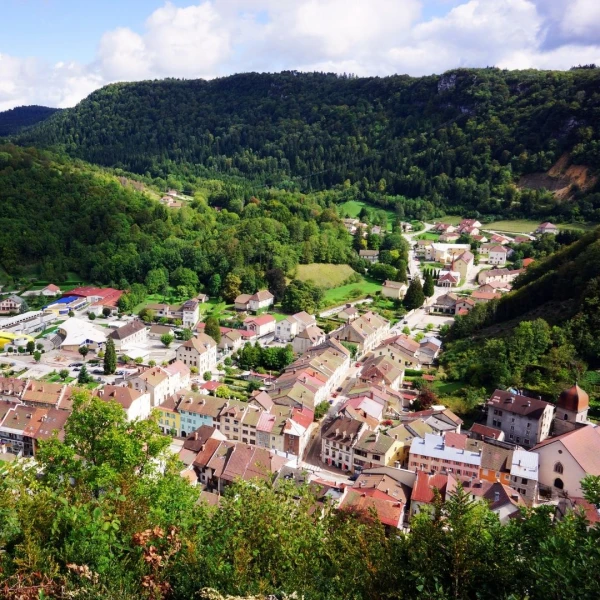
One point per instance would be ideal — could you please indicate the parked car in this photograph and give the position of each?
(77, 369)
(354, 476)
(98, 371)
(75, 364)
(339, 389)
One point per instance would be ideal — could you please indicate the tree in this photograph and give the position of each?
(83, 350)
(414, 297)
(321, 410)
(84, 377)
(166, 339)
(231, 287)
(186, 334)
(157, 280)
(214, 285)
(276, 283)
(37, 356)
(92, 316)
(428, 288)
(106, 311)
(207, 376)
(110, 357)
(185, 277)
(63, 374)
(30, 346)
(213, 329)
(39, 346)
(301, 296)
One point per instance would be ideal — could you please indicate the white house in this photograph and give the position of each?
(190, 313)
(393, 289)
(547, 228)
(51, 290)
(261, 300)
(311, 336)
(199, 352)
(135, 403)
(498, 255)
(155, 382)
(290, 327)
(261, 325)
(133, 333)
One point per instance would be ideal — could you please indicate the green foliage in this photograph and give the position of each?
(30, 346)
(254, 356)
(167, 339)
(301, 296)
(414, 297)
(63, 374)
(207, 376)
(428, 287)
(213, 329)
(83, 350)
(110, 357)
(84, 377)
(92, 316)
(321, 410)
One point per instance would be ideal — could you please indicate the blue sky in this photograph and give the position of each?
(55, 52)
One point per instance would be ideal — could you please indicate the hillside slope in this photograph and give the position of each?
(460, 141)
(14, 120)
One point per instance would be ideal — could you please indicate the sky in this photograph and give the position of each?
(56, 52)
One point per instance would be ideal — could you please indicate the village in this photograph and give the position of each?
(326, 398)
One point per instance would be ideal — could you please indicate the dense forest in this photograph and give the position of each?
(59, 216)
(108, 516)
(14, 120)
(542, 335)
(458, 143)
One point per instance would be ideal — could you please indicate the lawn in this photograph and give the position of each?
(353, 291)
(452, 219)
(529, 226)
(447, 388)
(353, 208)
(279, 316)
(428, 236)
(324, 274)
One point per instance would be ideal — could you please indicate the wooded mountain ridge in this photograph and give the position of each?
(459, 142)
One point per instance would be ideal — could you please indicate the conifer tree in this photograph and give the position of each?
(110, 357)
(414, 295)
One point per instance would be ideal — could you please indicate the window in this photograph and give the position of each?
(236, 429)
(227, 421)
(566, 417)
(511, 436)
(558, 483)
(527, 442)
(528, 424)
(512, 427)
(558, 468)
(523, 481)
(375, 457)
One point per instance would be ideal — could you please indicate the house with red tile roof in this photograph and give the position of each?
(426, 487)
(136, 404)
(261, 325)
(51, 290)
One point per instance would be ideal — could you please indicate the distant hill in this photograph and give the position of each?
(14, 120)
(458, 142)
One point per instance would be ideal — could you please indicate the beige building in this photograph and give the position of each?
(366, 332)
(199, 352)
(153, 381)
(374, 449)
(565, 460)
(393, 289)
(131, 334)
(311, 336)
(463, 263)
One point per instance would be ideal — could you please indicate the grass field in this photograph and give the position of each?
(447, 388)
(452, 219)
(353, 208)
(428, 236)
(354, 291)
(324, 274)
(529, 226)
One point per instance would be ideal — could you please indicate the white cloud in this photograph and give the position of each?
(369, 37)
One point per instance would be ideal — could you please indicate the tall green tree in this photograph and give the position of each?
(428, 287)
(414, 297)
(110, 357)
(213, 329)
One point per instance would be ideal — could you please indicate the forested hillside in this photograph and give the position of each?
(457, 142)
(60, 215)
(542, 335)
(12, 121)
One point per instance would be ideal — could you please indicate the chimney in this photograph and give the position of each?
(496, 496)
(196, 435)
